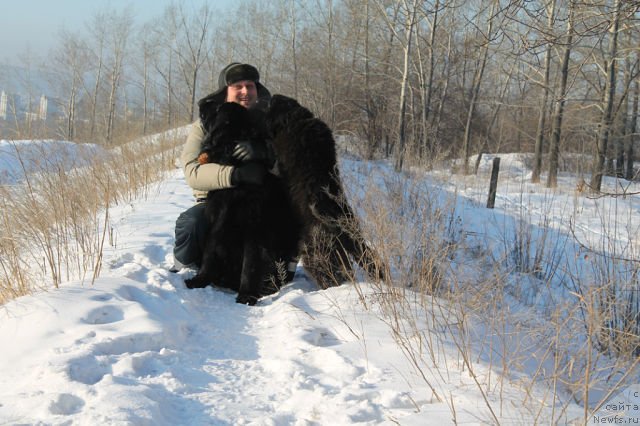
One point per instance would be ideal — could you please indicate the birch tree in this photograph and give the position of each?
(427, 76)
(120, 27)
(537, 162)
(410, 22)
(191, 49)
(560, 100)
(633, 132)
(98, 31)
(71, 61)
(481, 63)
(598, 167)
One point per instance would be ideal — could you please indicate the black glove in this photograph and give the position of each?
(248, 151)
(250, 173)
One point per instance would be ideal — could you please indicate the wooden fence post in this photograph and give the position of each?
(493, 185)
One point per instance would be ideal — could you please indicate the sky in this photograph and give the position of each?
(33, 25)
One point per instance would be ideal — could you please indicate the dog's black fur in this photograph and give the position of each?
(306, 153)
(252, 227)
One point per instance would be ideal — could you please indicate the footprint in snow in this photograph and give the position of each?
(101, 297)
(320, 337)
(104, 315)
(66, 404)
(87, 369)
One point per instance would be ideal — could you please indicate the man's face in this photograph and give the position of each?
(243, 92)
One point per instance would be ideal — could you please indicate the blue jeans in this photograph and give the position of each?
(192, 229)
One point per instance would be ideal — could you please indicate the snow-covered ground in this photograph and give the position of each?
(16, 156)
(137, 347)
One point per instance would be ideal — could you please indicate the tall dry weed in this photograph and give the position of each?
(55, 220)
(522, 303)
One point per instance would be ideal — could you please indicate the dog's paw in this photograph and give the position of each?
(247, 299)
(194, 283)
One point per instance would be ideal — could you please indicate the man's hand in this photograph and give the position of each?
(203, 158)
(250, 173)
(247, 151)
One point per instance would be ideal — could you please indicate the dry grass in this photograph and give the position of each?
(564, 336)
(521, 305)
(55, 223)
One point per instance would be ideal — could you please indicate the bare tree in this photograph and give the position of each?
(550, 7)
(633, 132)
(436, 121)
(145, 52)
(163, 35)
(410, 22)
(560, 99)
(98, 32)
(294, 47)
(25, 125)
(182, 45)
(598, 167)
(622, 116)
(494, 115)
(426, 77)
(120, 27)
(191, 48)
(374, 132)
(70, 60)
(475, 86)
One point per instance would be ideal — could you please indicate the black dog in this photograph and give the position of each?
(306, 153)
(252, 226)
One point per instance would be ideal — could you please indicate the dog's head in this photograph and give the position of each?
(228, 125)
(230, 116)
(282, 111)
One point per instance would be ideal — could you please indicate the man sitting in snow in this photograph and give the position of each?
(239, 83)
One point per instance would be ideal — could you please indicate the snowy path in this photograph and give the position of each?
(137, 347)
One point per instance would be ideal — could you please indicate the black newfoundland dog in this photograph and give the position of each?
(252, 227)
(305, 149)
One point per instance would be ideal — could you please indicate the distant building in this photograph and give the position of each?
(3, 105)
(43, 107)
(14, 106)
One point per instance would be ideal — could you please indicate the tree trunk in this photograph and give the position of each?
(558, 113)
(443, 97)
(633, 129)
(475, 91)
(537, 162)
(294, 51)
(145, 93)
(71, 115)
(400, 148)
(598, 168)
(169, 93)
(494, 117)
(621, 135)
(427, 86)
(96, 89)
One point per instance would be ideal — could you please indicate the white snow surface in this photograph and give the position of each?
(16, 156)
(136, 347)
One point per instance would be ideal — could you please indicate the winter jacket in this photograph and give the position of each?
(202, 177)
(207, 177)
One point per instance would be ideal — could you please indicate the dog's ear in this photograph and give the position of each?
(303, 113)
(278, 114)
(281, 104)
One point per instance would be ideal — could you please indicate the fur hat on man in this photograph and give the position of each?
(230, 74)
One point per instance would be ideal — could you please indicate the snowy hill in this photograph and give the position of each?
(137, 347)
